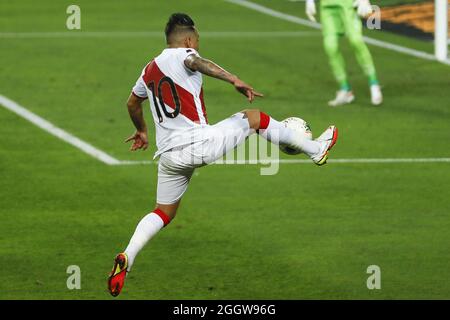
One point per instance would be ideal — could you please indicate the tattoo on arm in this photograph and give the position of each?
(209, 68)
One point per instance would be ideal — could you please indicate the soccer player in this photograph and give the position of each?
(338, 18)
(172, 82)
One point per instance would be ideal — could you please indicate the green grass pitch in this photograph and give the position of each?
(305, 233)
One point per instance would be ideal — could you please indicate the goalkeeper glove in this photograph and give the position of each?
(311, 10)
(364, 8)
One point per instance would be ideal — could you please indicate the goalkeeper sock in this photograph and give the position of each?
(277, 133)
(345, 86)
(373, 81)
(145, 230)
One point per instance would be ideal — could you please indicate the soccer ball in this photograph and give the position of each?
(300, 126)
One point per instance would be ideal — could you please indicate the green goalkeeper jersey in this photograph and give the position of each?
(341, 3)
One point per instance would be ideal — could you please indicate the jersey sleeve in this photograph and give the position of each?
(184, 53)
(139, 90)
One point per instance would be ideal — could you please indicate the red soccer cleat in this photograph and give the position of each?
(117, 276)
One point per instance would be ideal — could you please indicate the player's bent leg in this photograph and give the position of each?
(253, 117)
(227, 134)
(169, 209)
(231, 132)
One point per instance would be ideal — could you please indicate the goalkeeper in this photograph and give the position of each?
(338, 18)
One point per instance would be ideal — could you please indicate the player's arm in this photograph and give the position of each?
(140, 137)
(311, 10)
(363, 7)
(205, 66)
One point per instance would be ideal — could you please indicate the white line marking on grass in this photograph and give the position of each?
(405, 50)
(306, 161)
(57, 132)
(153, 34)
(276, 14)
(315, 25)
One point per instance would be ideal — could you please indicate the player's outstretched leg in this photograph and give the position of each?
(277, 133)
(145, 230)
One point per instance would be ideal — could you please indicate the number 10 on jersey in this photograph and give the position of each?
(157, 91)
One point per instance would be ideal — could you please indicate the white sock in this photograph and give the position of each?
(145, 230)
(276, 132)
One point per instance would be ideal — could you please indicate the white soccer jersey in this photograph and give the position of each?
(176, 98)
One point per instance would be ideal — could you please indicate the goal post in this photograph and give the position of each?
(441, 30)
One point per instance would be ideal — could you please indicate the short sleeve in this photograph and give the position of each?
(184, 53)
(139, 89)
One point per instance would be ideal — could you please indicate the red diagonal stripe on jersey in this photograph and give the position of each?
(203, 105)
(188, 108)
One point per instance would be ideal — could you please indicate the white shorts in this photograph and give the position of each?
(177, 165)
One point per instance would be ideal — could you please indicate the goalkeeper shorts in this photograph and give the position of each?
(339, 20)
